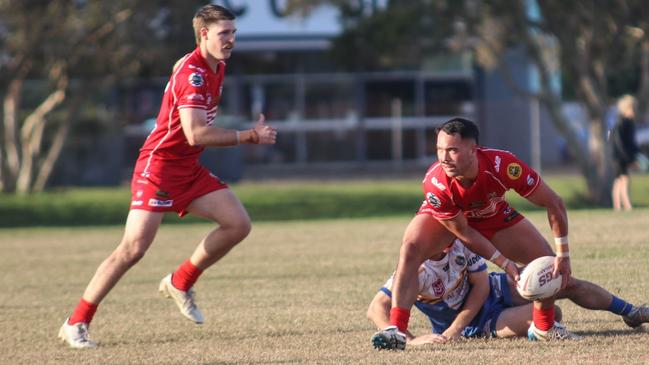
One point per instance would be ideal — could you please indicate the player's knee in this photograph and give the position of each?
(239, 229)
(132, 250)
(572, 289)
(411, 252)
(244, 226)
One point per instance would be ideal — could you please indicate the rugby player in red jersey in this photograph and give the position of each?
(465, 199)
(169, 178)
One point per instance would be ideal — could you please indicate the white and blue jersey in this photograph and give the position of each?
(444, 286)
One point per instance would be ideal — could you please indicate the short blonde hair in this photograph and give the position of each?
(207, 15)
(626, 105)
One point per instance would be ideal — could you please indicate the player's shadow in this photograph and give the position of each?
(610, 333)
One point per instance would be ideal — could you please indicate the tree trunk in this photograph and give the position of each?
(46, 167)
(32, 137)
(10, 109)
(593, 159)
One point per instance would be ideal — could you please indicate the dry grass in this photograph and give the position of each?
(293, 293)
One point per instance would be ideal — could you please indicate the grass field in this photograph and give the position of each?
(273, 201)
(292, 293)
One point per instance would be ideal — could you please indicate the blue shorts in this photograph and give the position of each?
(484, 323)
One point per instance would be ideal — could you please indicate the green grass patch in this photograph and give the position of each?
(293, 292)
(270, 201)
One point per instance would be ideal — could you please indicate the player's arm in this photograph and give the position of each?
(478, 243)
(474, 301)
(379, 312)
(545, 197)
(199, 133)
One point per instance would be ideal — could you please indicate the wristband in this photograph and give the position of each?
(505, 263)
(238, 138)
(561, 240)
(494, 256)
(563, 254)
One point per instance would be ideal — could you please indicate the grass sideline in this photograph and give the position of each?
(269, 201)
(294, 292)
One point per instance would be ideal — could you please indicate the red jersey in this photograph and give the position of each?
(498, 171)
(166, 152)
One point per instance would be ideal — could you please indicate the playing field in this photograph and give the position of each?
(292, 293)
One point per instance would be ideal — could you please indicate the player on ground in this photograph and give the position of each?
(459, 298)
(465, 199)
(169, 178)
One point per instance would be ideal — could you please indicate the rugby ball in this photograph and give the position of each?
(536, 281)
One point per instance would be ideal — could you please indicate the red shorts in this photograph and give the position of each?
(488, 227)
(172, 194)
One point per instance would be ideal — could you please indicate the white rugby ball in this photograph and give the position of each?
(536, 281)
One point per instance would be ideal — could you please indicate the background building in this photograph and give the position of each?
(331, 120)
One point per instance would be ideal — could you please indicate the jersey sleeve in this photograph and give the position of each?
(517, 175)
(387, 287)
(438, 201)
(474, 262)
(191, 89)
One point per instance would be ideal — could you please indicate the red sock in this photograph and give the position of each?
(399, 317)
(185, 276)
(543, 318)
(83, 312)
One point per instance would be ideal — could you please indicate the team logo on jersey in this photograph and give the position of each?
(433, 200)
(438, 287)
(460, 261)
(530, 180)
(497, 163)
(196, 79)
(514, 170)
(136, 203)
(437, 184)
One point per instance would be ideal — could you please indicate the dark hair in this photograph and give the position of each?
(464, 127)
(207, 15)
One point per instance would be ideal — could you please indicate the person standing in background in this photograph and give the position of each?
(625, 149)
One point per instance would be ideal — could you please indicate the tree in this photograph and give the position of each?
(71, 47)
(596, 42)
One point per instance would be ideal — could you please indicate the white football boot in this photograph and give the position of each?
(557, 332)
(184, 300)
(637, 316)
(76, 335)
(389, 338)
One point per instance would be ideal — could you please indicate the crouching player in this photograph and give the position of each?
(461, 300)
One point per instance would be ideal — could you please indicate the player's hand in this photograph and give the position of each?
(562, 267)
(431, 338)
(511, 269)
(266, 133)
(451, 334)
